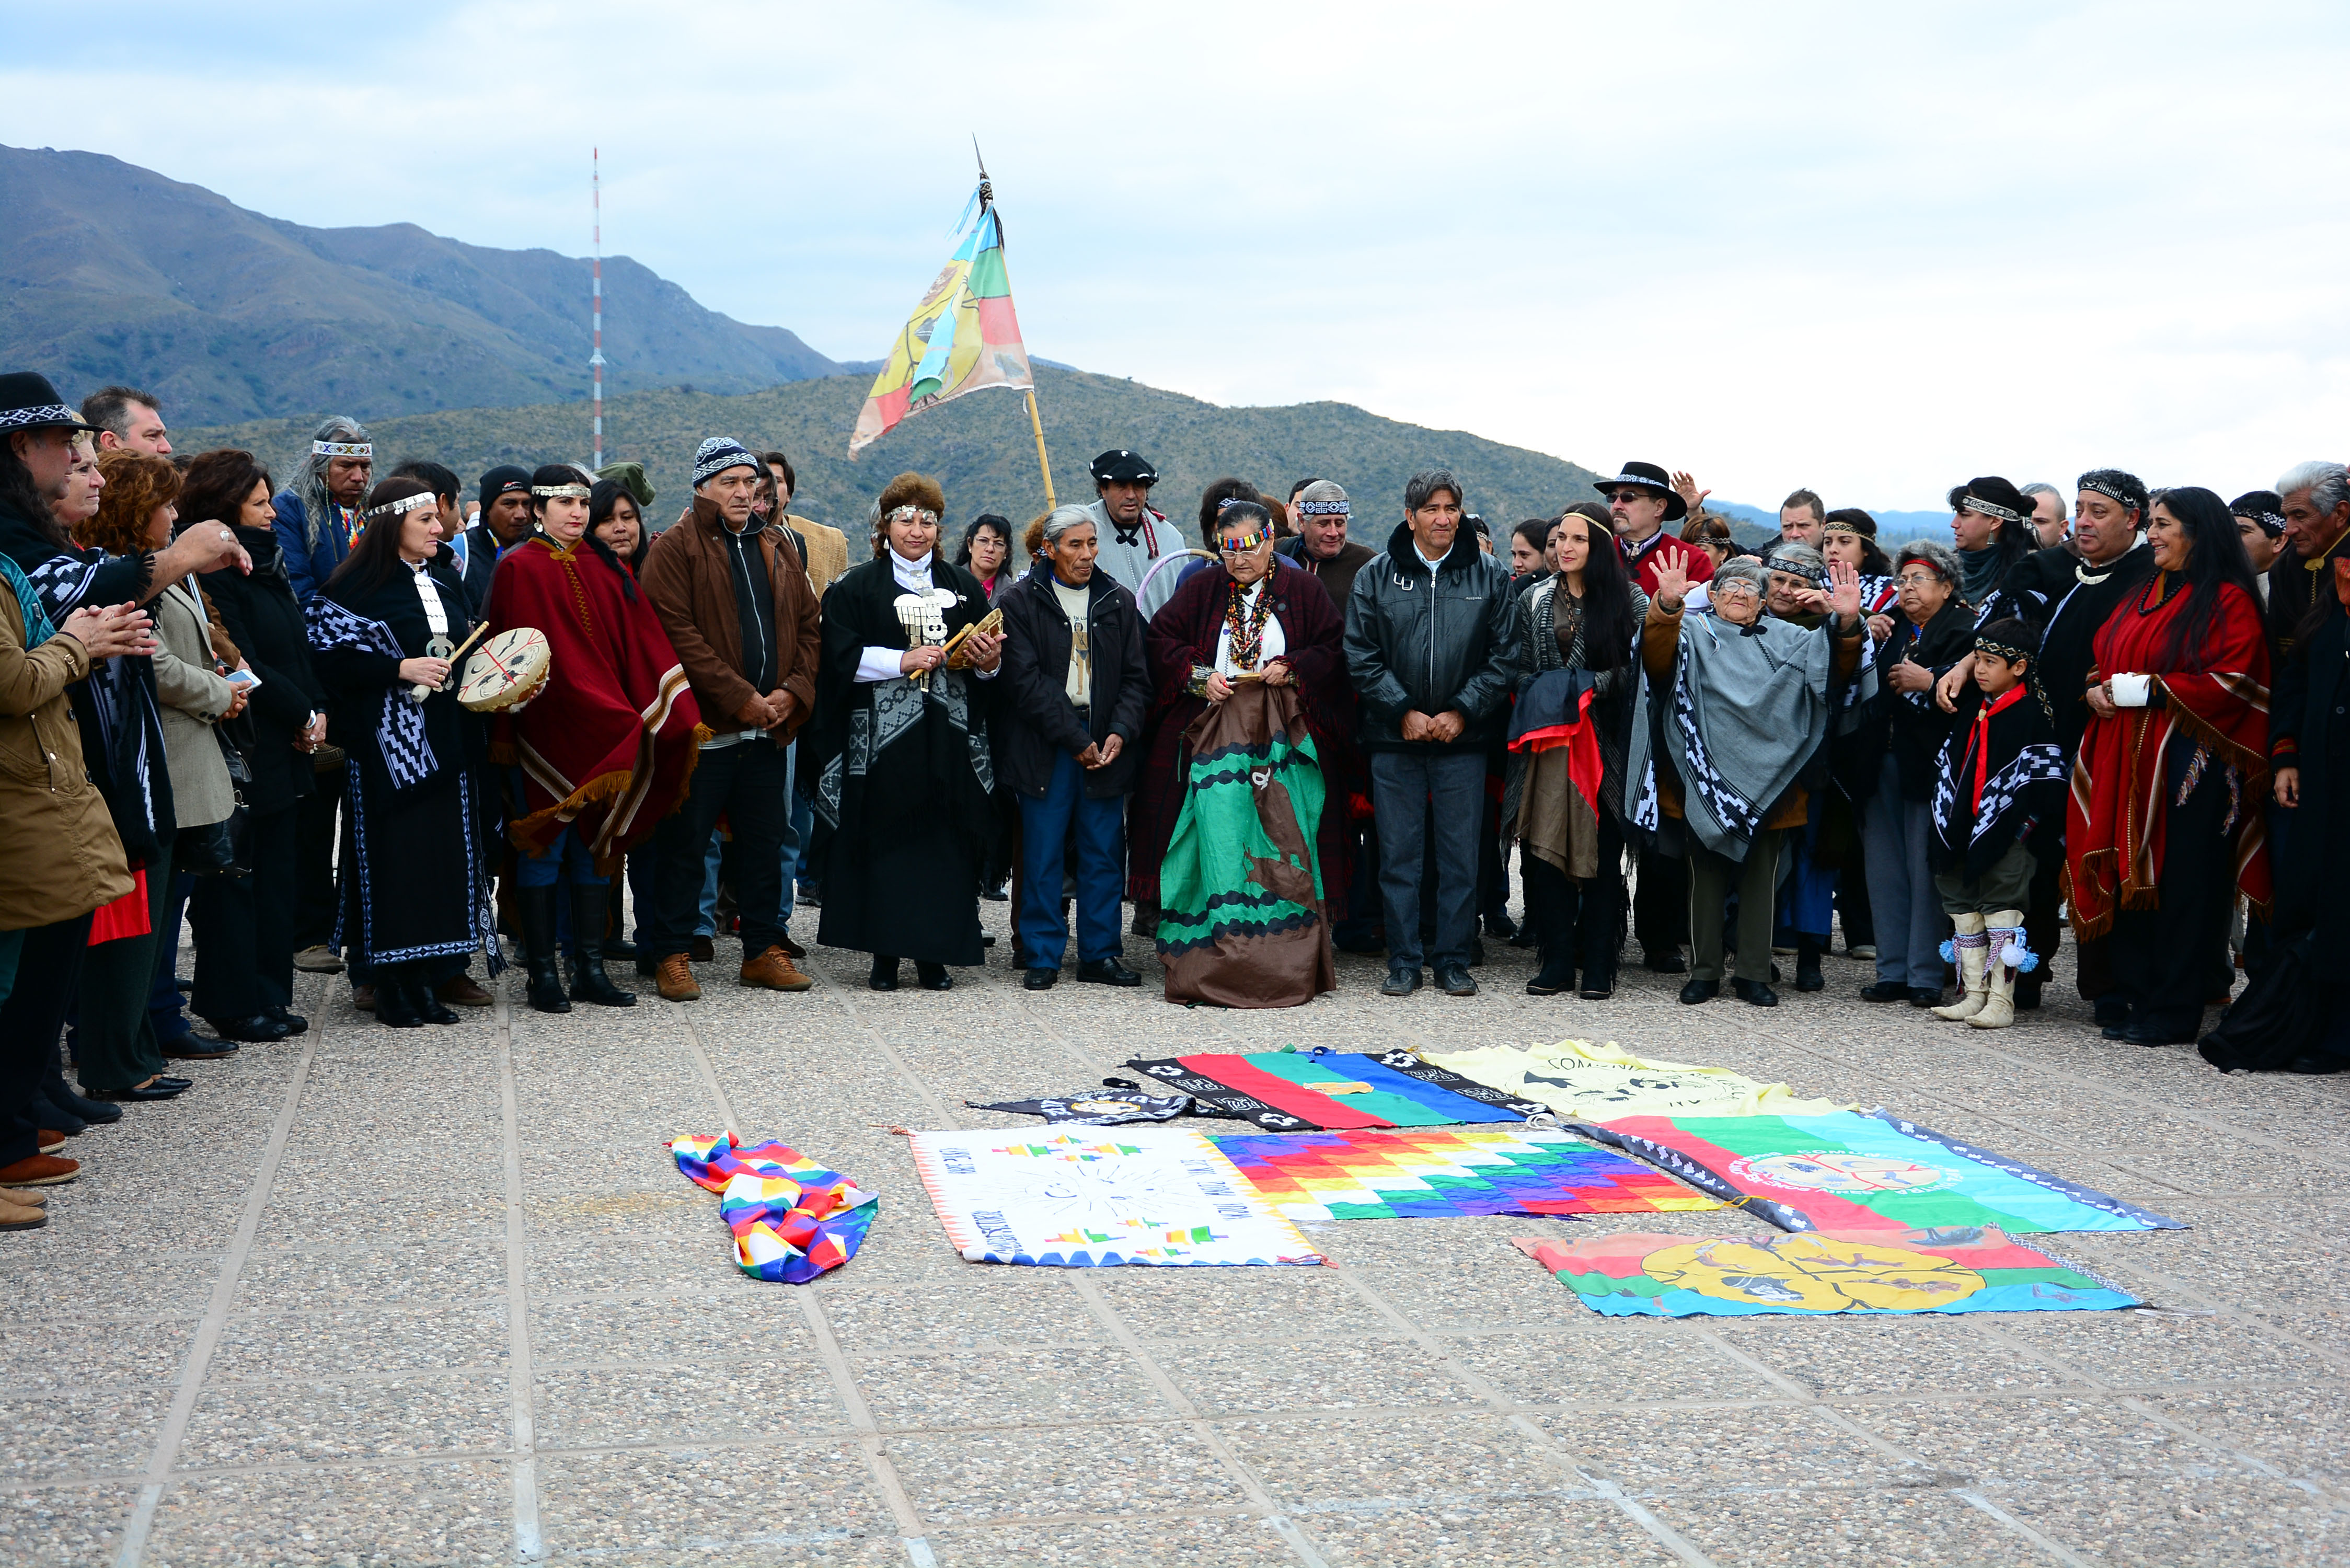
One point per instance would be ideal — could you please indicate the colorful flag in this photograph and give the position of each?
(1949, 1270)
(964, 335)
(1429, 1172)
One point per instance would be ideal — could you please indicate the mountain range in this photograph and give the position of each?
(113, 272)
(979, 447)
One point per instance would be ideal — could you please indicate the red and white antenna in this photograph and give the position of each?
(596, 303)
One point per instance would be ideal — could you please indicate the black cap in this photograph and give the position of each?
(27, 402)
(1131, 467)
(1648, 476)
(500, 480)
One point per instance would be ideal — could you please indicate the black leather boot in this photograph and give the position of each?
(395, 1002)
(428, 1006)
(589, 981)
(535, 906)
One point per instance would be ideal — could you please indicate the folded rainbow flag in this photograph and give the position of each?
(792, 1219)
(1288, 1091)
(1817, 1273)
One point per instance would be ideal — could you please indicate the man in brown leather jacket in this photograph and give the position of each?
(735, 599)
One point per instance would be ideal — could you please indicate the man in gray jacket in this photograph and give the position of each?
(1133, 537)
(1431, 646)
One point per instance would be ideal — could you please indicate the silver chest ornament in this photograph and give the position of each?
(925, 617)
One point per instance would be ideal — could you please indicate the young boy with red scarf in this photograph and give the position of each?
(2001, 777)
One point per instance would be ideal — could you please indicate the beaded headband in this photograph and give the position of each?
(1839, 525)
(1241, 543)
(911, 512)
(405, 504)
(2001, 650)
(343, 448)
(2268, 523)
(2113, 489)
(1326, 509)
(575, 490)
(1994, 509)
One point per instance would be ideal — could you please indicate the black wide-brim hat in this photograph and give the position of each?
(27, 402)
(1648, 476)
(1120, 464)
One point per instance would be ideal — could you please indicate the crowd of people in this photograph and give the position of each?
(248, 708)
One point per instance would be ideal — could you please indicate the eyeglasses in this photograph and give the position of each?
(1736, 591)
(1918, 580)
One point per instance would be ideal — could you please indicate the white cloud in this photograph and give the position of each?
(1870, 249)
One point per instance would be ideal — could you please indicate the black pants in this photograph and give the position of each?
(244, 926)
(2044, 920)
(750, 784)
(315, 900)
(48, 976)
(2163, 958)
(1661, 907)
(1579, 921)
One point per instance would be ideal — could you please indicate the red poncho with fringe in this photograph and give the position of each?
(2217, 698)
(609, 742)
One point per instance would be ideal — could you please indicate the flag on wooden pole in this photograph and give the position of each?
(964, 335)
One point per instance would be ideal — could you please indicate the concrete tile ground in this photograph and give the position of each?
(440, 1296)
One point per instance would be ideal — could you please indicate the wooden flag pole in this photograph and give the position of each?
(1041, 461)
(986, 200)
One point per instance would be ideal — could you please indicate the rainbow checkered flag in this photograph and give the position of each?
(792, 1219)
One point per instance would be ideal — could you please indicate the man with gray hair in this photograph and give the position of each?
(1434, 684)
(2316, 530)
(2047, 513)
(318, 510)
(1320, 543)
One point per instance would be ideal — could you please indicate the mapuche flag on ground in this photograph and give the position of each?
(962, 337)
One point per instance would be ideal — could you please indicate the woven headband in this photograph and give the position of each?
(1325, 509)
(405, 504)
(1839, 525)
(2268, 523)
(1994, 509)
(2113, 491)
(343, 448)
(901, 514)
(575, 490)
(2001, 650)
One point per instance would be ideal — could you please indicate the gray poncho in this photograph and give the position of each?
(1750, 707)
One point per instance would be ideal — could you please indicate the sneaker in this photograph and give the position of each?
(317, 960)
(1865, 953)
(772, 970)
(676, 981)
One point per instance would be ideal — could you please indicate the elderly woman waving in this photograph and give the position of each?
(1744, 702)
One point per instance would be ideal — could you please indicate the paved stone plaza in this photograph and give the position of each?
(442, 1296)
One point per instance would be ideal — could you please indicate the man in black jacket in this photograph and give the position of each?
(1431, 646)
(504, 522)
(1073, 667)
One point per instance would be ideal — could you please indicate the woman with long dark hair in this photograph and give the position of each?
(244, 924)
(383, 628)
(1991, 529)
(986, 554)
(2164, 827)
(1582, 669)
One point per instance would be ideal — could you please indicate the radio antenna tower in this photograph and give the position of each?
(596, 303)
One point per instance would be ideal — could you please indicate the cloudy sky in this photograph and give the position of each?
(1870, 249)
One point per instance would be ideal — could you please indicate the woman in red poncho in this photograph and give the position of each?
(2165, 828)
(604, 751)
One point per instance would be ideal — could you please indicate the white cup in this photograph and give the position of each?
(2132, 690)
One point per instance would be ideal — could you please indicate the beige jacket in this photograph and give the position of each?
(192, 699)
(827, 550)
(59, 858)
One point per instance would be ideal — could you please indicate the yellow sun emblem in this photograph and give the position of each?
(1815, 1274)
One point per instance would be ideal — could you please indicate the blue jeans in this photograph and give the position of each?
(1404, 785)
(566, 860)
(1101, 856)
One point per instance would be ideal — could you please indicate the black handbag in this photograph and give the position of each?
(223, 848)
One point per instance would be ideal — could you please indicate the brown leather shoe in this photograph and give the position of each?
(773, 969)
(32, 1197)
(50, 1141)
(16, 1216)
(41, 1170)
(461, 992)
(676, 980)
(704, 950)
(363, 998)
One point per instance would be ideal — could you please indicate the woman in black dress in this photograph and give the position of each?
(903, 773)
(415, 894)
